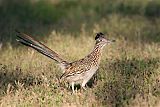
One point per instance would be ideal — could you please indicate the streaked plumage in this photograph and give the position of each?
(79, 71)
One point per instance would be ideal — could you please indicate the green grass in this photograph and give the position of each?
(129, 72)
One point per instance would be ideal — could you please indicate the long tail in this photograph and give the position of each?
(28, 41)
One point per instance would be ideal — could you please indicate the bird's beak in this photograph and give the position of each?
(110, 41)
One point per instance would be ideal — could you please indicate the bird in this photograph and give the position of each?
(76, 72)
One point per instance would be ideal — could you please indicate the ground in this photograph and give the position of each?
(129, 73)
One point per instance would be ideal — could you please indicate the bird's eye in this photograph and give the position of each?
(100, 40)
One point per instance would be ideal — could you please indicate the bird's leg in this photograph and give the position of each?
(83, 85)
(73, 87)
(84, 88)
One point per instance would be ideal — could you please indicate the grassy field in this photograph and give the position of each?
(129, 73)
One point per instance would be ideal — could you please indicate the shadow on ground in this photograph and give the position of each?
(128, 78)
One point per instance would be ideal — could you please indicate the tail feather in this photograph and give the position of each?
(28, 41)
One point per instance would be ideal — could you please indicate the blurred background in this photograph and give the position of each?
(131, 19)
(129, 73)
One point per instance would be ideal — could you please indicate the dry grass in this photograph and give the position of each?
(129, 73)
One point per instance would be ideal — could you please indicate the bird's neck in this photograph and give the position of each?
(97, 49)
(96, 53)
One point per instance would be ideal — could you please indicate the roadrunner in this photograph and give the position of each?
(80, 71)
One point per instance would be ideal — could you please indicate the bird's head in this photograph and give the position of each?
(102, 40)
